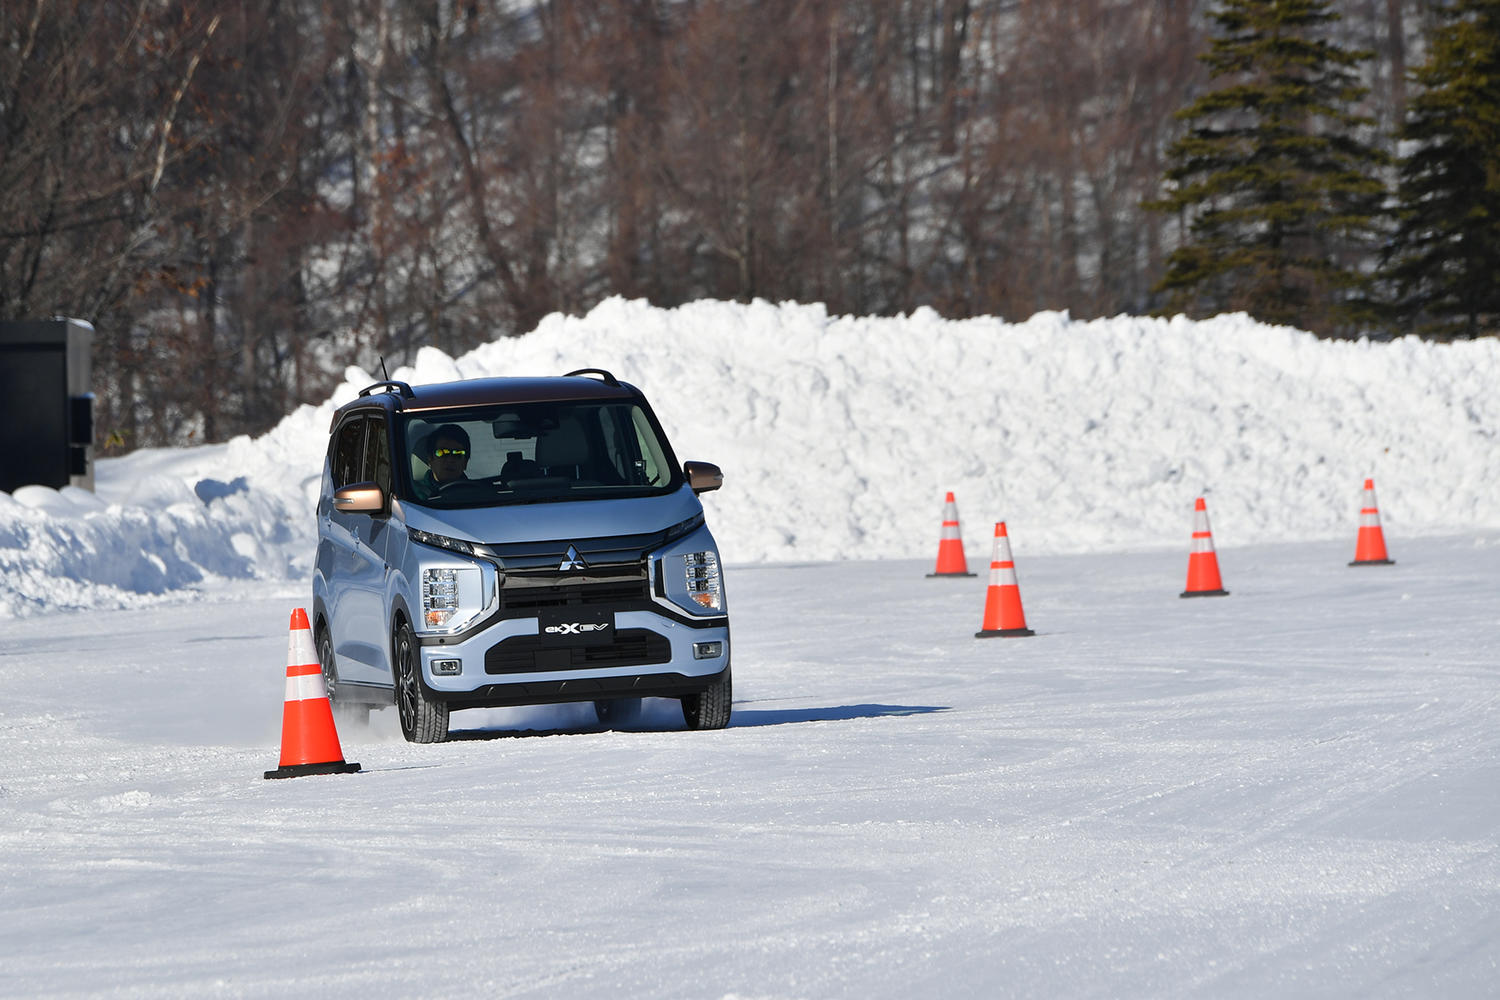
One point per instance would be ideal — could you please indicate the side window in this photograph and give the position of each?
(416, 436)
(348, 446)
(378, 454)
(652, 463)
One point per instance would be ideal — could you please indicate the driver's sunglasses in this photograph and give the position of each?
(445, 452)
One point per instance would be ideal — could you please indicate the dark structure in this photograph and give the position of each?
(47, 430)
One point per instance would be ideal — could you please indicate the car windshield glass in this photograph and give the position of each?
(535, 452)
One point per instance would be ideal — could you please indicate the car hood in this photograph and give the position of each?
(567, 520)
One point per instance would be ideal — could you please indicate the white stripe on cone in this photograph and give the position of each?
(299, 647)
(1203, 536)
(305, 687)
(1002, 566)
(1369, 512)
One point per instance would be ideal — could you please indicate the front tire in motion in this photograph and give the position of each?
(423, 719)
(710, 709)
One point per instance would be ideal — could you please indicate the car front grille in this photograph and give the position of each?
(630, 647)
(534, 594)
(531, 589)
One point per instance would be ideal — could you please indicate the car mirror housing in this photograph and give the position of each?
(359, 498)
(703, 477)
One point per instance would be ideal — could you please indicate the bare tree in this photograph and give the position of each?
(92, 105)
(267, 193)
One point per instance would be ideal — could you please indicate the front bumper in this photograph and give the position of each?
(664, 685)
(650, 654)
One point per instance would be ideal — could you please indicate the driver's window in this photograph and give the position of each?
(347, 452)
(378, 454)
(652, 463)
(416, 435)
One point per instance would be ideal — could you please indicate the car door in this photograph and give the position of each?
(358, 620)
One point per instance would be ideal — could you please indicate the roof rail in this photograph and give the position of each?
(388, 386)
(608, 378)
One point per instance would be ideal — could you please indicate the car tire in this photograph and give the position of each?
(424, 719)
(614, 712)
(351, 713)
(710, 709)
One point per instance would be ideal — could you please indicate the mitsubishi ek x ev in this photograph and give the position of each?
(515, 541)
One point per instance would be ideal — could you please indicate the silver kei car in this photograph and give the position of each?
(515, 541)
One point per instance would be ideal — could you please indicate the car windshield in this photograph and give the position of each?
(535, 452)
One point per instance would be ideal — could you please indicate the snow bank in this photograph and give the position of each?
(839, 435)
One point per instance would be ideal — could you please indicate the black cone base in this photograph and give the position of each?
(1373, 562)
(326, 767)
(991, 633)
(1204, 593)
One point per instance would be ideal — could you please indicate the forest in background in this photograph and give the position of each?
(244, 198)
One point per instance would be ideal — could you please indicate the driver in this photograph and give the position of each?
(446, 453)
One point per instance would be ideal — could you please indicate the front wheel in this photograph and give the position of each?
(423, 719)
(710, 709)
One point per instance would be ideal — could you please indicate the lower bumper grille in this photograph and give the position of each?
(524, 654)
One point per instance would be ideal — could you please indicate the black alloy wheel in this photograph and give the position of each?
(423, 719)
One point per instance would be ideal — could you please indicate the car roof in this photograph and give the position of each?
(398, 396)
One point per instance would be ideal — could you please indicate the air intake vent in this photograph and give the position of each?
(524, 654)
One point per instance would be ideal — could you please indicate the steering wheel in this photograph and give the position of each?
(457, 485)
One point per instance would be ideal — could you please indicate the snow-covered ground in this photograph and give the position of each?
(1289, 791)
(1286, 792)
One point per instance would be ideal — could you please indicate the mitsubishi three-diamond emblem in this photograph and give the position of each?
(572, 560)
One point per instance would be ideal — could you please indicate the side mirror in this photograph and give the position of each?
(359, 498)
(703, 477)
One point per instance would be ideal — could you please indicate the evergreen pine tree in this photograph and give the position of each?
(1281, 197)
(1446, 252)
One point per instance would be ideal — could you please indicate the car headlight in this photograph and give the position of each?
(703, 586)
(441, 541)
(452, 597)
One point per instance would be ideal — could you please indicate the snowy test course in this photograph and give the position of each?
(1291, 790)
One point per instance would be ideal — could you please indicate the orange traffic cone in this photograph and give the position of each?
(950, 559)
(1203, 565)
(1369, 550)
(1002, 602)
(309, 741)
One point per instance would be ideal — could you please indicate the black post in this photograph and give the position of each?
(46, 404)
